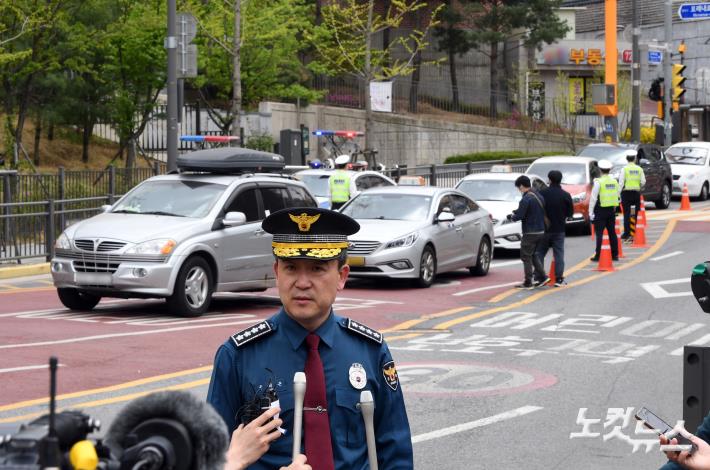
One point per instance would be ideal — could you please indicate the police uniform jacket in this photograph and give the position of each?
(275, 349)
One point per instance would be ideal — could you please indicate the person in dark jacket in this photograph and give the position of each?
(700, 459)
(531, 213)
(558, 206)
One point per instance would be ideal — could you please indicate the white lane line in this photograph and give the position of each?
(18, 369)
(475, 424)
(120, 335)
(669, 255)
(479, 289)
(658, 292)
(505, 263)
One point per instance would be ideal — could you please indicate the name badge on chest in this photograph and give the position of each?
(357, 376)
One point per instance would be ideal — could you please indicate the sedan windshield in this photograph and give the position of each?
(172, 198)
(572, 173)
(687, 155)
(389, 207)
(318, 184)
(490, 190)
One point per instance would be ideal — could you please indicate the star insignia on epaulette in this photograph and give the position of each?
(251, 333)
(365, 331)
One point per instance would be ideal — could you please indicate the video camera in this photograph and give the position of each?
(160, 431)
(700, 285)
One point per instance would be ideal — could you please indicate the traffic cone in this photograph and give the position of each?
(642, 213)
(685, 199)
(617, 229)
(551, 273)
(640, 230)
(605, 261)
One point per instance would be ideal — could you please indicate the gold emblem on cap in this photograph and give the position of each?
(304, 221)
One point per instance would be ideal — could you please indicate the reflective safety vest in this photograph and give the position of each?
(339, 186)
(632, 177)
(608, 191)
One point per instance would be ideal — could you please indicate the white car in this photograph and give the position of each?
(690, 162)
(317, 182)
(496, 193)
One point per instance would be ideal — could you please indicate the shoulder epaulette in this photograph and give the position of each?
(253, 332)
(363, 330)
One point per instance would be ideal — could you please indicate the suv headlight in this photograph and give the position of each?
(579, 197)
(63, 242)
(407, 240)
(162, 246)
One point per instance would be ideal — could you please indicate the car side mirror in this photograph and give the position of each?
(643, 161)
(106, 207)
(445, 216)
(234, 219)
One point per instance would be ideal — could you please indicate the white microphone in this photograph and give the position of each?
(299, 392)
(367, 408)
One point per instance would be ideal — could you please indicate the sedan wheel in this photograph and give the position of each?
(193, 289)
(483, 261)
(665, 199)
(427, 268)
(704, 192)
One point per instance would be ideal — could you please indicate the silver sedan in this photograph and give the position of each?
(416, 232)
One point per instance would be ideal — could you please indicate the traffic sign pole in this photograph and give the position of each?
(667, 73)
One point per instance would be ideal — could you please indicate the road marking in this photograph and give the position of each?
(496, 286)
(658, 292)
(669, 255)
(505, 263)
(18, 369)
(121, 335)
(475, 424)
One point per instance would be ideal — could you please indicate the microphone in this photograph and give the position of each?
(299, 391)
(169, 430)
(367, 408)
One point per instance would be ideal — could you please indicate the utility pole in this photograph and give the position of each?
(635, 76)
(668, 73)
(171, 46)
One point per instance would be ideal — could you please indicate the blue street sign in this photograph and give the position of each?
(655, 57)
(694, 11)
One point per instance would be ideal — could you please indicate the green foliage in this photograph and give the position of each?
(263, 142)
(496, 155)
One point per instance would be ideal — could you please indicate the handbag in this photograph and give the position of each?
(544, 213)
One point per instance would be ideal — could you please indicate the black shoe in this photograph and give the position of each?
(594, 258)
(542, 282)
(625, 236)
(560, 282)
(525, 286)
(615, 258)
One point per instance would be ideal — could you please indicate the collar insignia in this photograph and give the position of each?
(304, 221)
(365, 331)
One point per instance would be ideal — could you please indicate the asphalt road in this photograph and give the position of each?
(493, 378)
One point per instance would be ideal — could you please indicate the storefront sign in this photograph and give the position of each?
(536, 100)
(582, 53)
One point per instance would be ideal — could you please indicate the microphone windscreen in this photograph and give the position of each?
(208, 431)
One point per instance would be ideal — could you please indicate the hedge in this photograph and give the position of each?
(497, 155)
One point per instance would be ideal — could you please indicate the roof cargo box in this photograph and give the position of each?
(230, 160)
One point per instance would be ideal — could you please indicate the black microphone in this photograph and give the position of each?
(170, 429)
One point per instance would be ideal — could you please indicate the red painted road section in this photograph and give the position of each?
(122, 341)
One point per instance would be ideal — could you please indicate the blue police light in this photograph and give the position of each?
(316, 164)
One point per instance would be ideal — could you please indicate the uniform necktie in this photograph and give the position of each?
(319, 450)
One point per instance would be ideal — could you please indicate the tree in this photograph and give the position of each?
(344, 40)
(565, 112)
(491, 22)
(453, 41)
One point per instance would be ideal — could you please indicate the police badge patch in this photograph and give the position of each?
(389, 372)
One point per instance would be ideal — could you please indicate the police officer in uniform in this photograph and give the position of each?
(631, 180)
(340, 357)
(602, 209)
(339, 183)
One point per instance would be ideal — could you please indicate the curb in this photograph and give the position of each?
(26, 270)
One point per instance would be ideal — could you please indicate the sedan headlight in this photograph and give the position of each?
(407, 240)
(579, 197)
(162, 246)
(63, 242)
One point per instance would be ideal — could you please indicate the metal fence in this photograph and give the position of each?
(35, 209)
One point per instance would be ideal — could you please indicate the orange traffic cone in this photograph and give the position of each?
(605, 261)
(640, 230)
(642, 213)
(685, 199)
(617, 229)
(551, 273)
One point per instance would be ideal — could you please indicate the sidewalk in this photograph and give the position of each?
(11, 271)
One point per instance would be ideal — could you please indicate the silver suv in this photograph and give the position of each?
(180, 236)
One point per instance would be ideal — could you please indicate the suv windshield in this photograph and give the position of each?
(318, 184)
(173, 198)
(490, 190)
(572, 173)
(687, 155)
(615, 155)
(389, 207)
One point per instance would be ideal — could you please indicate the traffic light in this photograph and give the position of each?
(678, 81)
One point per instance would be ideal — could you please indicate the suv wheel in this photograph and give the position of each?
(665, 200)
(75, 299)
(483, 261)
(193, 289)
(704, 192)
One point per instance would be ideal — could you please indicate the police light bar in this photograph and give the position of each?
(348, 134)
(209, 138)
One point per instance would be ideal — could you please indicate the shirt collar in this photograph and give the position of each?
(296, 334)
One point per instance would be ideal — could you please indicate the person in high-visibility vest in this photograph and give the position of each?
(339, 183)
(631, 181)
(602, 209)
